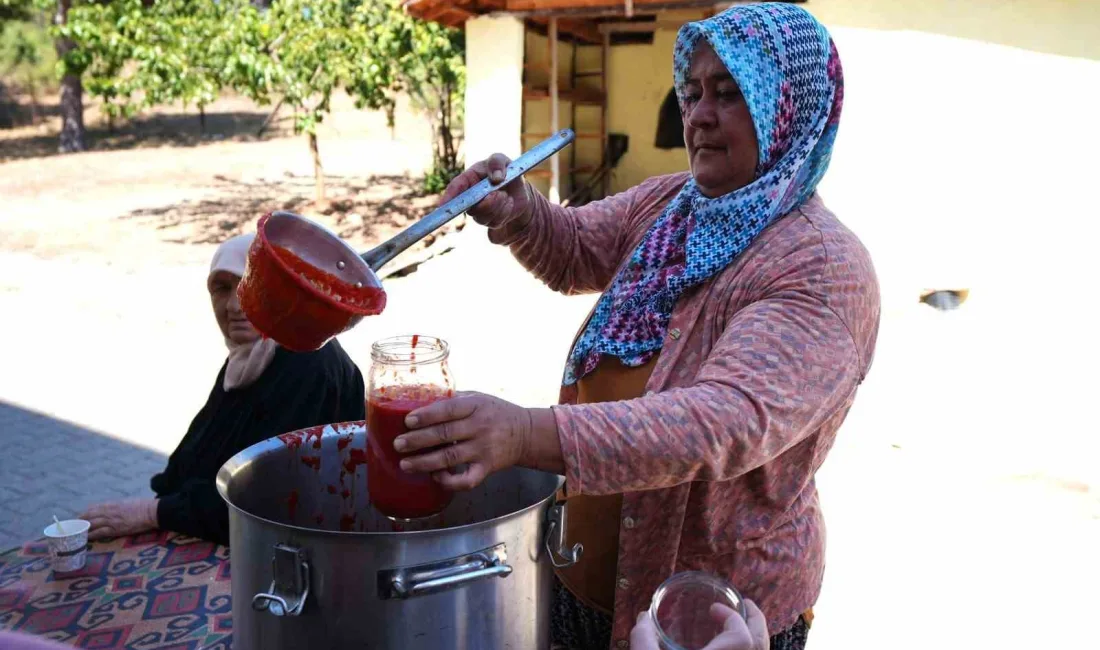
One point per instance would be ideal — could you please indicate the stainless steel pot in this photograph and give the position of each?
(313, 565)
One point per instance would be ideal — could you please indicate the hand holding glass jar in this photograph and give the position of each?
(407, 373)
(698, 611)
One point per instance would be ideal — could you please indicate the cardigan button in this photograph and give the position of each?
(624, 583)
(622, 643)
(628, 522)
(674, 333)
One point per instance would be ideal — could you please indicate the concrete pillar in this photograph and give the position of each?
(494, 86)
(494, 95)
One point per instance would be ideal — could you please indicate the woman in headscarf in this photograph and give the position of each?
(262, 390)
(738, 316)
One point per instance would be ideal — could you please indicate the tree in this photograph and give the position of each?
(299, 52)
(433, 72)
(427, 62)
(72, 90)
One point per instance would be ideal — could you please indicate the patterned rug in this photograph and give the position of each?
(155, 591)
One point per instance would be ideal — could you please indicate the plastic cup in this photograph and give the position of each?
(68, 545)
(680, 609)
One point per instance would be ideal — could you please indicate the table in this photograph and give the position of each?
(153, 591)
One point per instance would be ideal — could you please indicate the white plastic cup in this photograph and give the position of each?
(68, 545)
(680, 609)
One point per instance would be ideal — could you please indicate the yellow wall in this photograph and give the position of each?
(639, 78)
(584, 151)
(1066, 27)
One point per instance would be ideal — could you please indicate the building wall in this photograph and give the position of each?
(494, 77)
(1065, 27)
(639, 78)
(584, 152)
(641, 75)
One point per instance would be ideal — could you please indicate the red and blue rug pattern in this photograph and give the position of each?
(154, 591)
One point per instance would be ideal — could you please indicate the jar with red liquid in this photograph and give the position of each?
(407, 373)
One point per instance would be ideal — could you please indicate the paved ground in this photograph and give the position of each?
(962, 494)
(52, 467)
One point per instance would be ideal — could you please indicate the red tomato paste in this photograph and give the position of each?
(365, 297)
(291, 440)
(356, 457)
(396, 493)
(312, 461)
(315, 433)
(297, 304)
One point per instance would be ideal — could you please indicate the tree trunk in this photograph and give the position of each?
(72, 92)
(318, 172)
(34, 101)
(270, 116)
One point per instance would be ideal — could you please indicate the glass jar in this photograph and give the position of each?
(407, 373)
(680, 609)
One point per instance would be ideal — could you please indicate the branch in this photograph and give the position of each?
(270, 116)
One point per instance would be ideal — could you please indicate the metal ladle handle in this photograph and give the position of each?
(382, 254)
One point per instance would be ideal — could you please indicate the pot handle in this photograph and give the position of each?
(423, 579)
(555, 537)
(289, 584)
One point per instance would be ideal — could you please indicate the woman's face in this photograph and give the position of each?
(718, 129)
(227, 309)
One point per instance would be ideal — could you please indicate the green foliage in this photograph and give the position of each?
(27, 56)
(428, 62)
(12, 10)
(133, 55)
(438, 177)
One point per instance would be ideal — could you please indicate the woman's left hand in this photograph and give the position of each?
(485, 433)
(121, 518)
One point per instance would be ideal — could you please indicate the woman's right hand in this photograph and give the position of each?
(509, 206)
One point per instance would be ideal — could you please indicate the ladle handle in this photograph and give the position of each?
(382, 254)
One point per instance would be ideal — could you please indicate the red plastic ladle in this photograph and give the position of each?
(303, 285)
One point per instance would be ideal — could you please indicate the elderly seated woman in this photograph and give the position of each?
(261, 391)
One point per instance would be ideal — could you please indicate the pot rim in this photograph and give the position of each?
(273, 443)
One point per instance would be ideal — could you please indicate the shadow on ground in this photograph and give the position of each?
(175, 129)
(361, 209)
(52, 467)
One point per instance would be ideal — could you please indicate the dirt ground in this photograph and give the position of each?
(961, 496)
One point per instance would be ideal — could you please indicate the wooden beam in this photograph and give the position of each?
(555, 162)
(461, 14)
(573, 8)
(605, 47)
(638, 5)
(582, 29)
(616, 28)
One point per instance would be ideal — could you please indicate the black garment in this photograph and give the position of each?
(297, 390)
(576, 626)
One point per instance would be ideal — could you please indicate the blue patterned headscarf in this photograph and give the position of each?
(788, 71)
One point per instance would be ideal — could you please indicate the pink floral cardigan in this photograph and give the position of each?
(760, 366)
